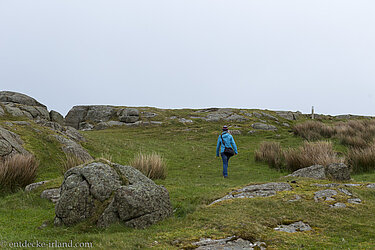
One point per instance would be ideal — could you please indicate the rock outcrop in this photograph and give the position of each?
(289, 115)
(231, 242)
(20, 105)
(263, 126)
(82, 117)
(104, 193)
(298, 226)
(10, 144)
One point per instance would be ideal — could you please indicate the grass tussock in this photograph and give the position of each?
(291, 159)
(353, 133)
(17, 171)
(152, 165)
(73, 160)
(362, 159)
(314, 130)
(271, 153)
(309, 154)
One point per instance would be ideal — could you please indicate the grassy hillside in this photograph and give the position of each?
(194, 180)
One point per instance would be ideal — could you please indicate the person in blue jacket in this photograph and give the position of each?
(228, 142)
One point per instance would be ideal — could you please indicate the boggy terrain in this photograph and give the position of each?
(257, 206)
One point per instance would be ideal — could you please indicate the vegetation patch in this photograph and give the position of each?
(17, 172)
(152, 165)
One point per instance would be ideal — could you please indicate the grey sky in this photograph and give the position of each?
(280, 55)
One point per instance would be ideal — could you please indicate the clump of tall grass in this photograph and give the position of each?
(271, 153)
(353, 133)
(311, 153)
(291, 159)
(361, 159)
(73, 160)
(17, 171)
(313, 130)
(152, 165)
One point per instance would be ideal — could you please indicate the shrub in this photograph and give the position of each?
(309, 154)
(271, 153)
(17, 171)
(152, 165)
(361, 159)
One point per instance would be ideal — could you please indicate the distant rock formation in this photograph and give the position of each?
(20, 105)
(84, 117)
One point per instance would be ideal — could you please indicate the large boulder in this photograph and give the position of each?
(338, 172)
(335, 171)
(103, 193)
(128, 115)
(315, 172)
(10, 144)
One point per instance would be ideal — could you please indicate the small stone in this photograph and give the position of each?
(44, 225)
(342, 190)
(296, 198)
(338, 205)
(372, 185)
(52, 195)
(352, 185)
(183, 120)
(355, 201)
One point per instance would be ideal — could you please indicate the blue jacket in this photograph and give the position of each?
(229, 142)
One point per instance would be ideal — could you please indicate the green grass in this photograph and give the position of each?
(194, 180)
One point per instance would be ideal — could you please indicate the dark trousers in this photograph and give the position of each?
(225, 159)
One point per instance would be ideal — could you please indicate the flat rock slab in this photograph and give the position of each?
(327, 194)
(229, 243)
(372, 185)
(35, 185)
(260, 190)
(298, 226)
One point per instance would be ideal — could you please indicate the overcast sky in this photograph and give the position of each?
(278, 55)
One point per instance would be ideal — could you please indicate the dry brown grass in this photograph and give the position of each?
(309, 154)
(152, 165)
(17, 171)
(313, 130)
(271, 153)
(362, 159)
(72, 161)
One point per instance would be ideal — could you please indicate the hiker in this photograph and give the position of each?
(228, 149)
